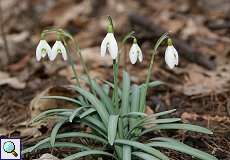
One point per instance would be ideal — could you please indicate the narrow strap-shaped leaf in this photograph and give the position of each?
(55, 131)
(75, 113)
(178, 146)
(87, 153)
(144, 156)
(125, 107)
(62, 98)
(112, 86)
(188, 127)
(112, 128)
(134, 105)
(96, 103)
(87, 112)
(159, 121)
(59, 144)
(49, 112)
(142, 147)
(96, 122)
(135, 99)
(135, 114)
(103, 96)
(127, 152)
(67, 135)
(154, 84)
(106, 88)
(164, 113)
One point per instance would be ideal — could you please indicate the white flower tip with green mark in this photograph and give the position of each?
(135, 53)
(171, 57)
(58, 48)
(42, 50)
(109, 44)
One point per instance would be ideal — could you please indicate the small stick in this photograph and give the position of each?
(5, 43)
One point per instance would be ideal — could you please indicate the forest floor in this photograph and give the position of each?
(199, 88)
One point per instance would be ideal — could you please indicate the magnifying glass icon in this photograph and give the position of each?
(9, 147)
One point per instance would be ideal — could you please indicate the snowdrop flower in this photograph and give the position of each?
(109, 44)
(42, 50)
(171, 55)
(135, 52)
(58, 48)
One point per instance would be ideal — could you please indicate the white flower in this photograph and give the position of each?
(109, 44)
(171, 56)
(58, 48)
(135, 53)
(42, 50)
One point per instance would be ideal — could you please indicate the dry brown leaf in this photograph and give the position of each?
(13, 82)
(47, 156)
(39, 105)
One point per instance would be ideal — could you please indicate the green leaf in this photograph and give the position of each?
(103, 96)
(188, 127)
(178, 146)
(55, 131)
(164, 113)
(106, 88)
(87, 112)
(135, 114)
(49, 112)
(126, 152)
(153, 84)
(142, 147)
(59, 145)
(62, 98)
(87, 153)
(135, 98)
(125, 107)
(144, 156)
(159, 121)
(96, 103)
(75, 113)
(67, 135)
(112, 86)
(112, 128)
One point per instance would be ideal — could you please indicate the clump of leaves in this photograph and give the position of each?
(115, 114)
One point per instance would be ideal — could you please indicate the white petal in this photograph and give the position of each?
(63, 50)
(140, 56)
(42, 49)
(54, 50)
(113, 48)
(104, 44)
(171, 57)
(133, 54)
(58, 47)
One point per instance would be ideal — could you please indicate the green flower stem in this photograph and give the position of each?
(144, 93)
(72, 63)
(145, 88)
(78, 51)
(115, 91)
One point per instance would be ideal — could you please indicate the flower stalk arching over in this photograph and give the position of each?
(58, 48)
(135, 52)
(43, 49)
(109, 44)
(171, 55)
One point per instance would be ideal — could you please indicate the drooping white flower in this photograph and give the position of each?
(42, 50)
(58, 48)
(135, 53)
(171, 55)
(109, 44)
